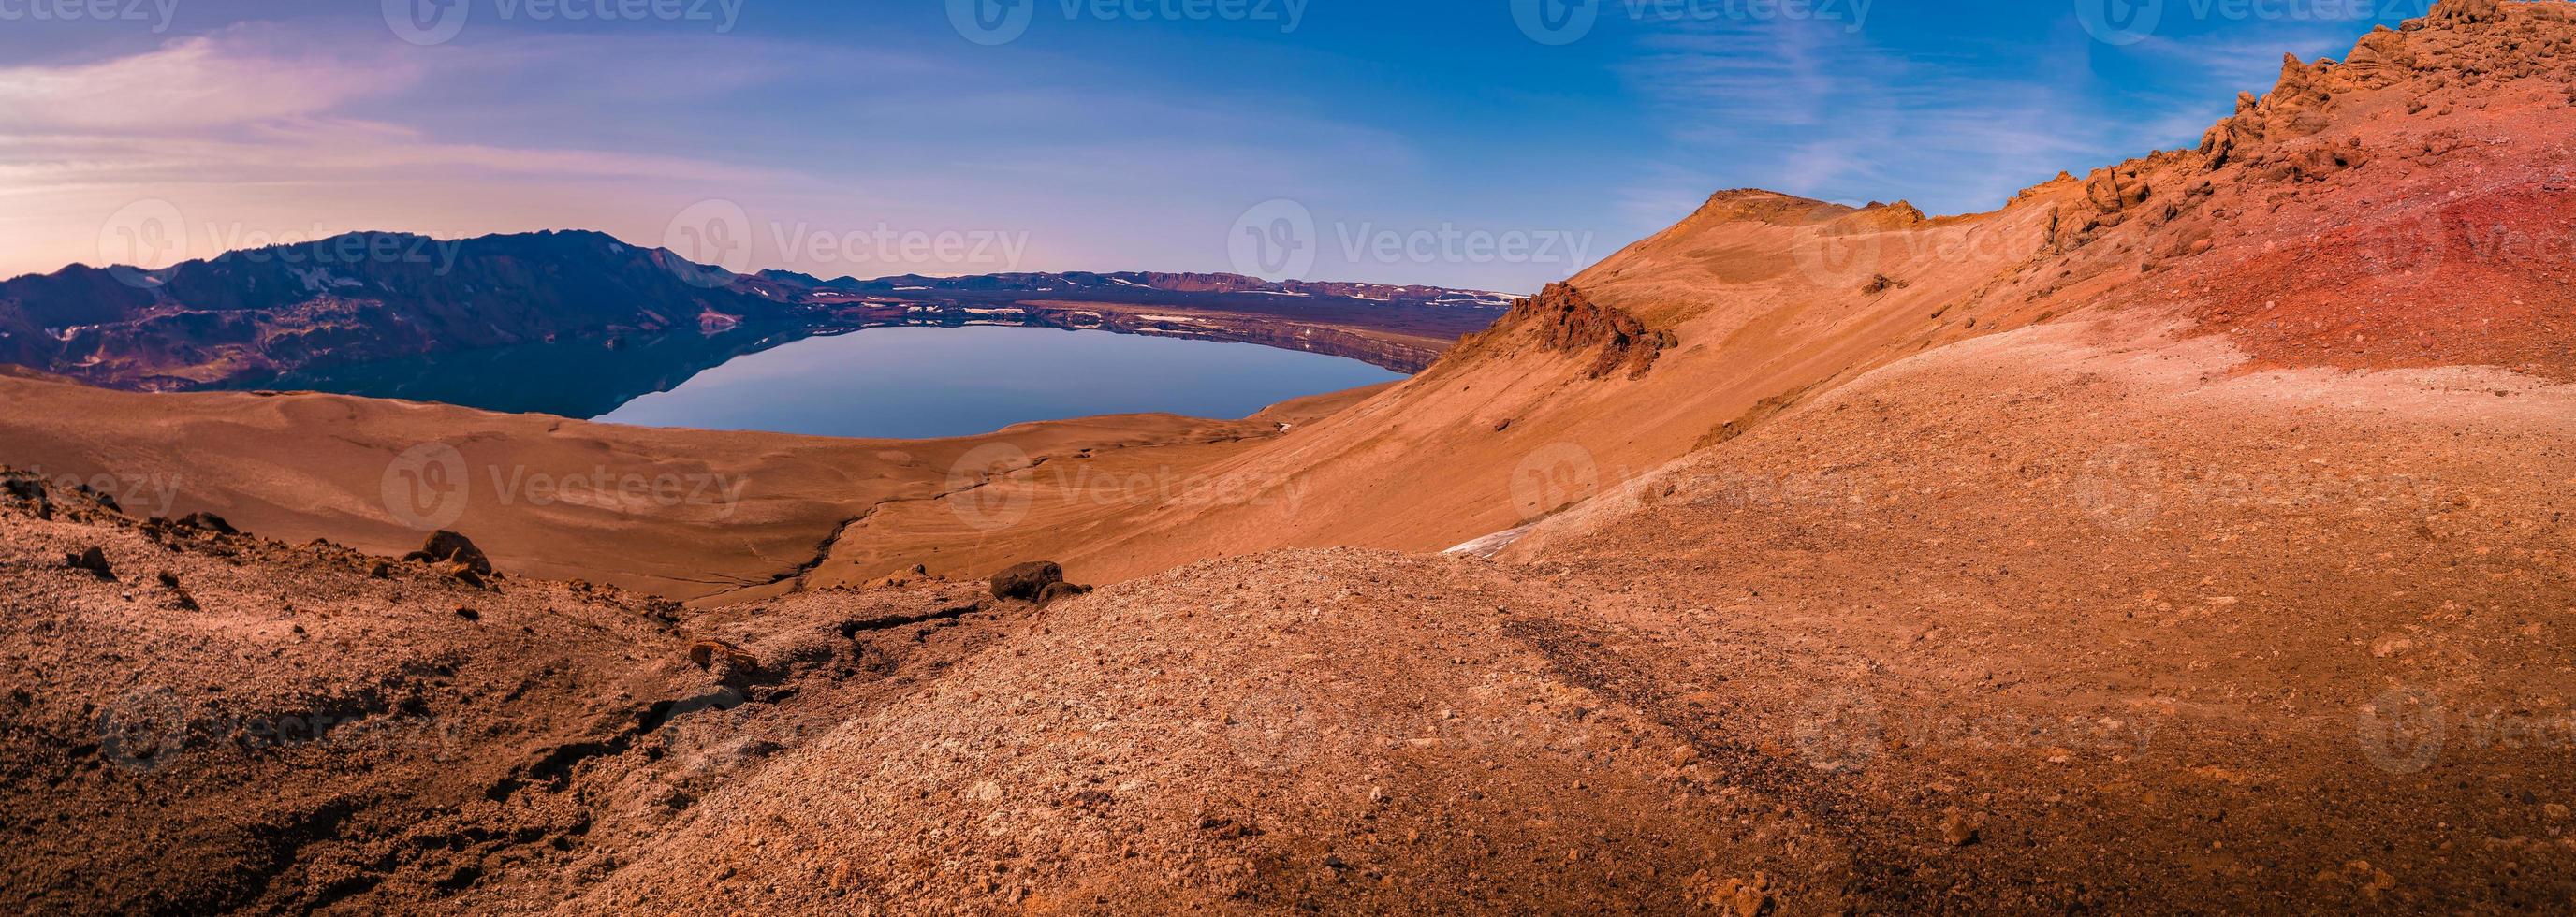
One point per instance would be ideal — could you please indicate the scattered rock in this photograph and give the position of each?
(706, 654)
(446, 547)
(1027, 582)
(2455, 13)
(919, 573)
(179, 596)
(1055, 591)
(101, 497)
(464, 575)
(92, 560)
(1736, 897)
(1958, 830)
(208, 522)
(468, 613)
(28, 491)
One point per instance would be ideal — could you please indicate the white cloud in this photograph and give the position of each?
(1816, 110)
(231, 78)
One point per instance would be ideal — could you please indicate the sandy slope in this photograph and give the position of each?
(2397, 211)
(687, 514)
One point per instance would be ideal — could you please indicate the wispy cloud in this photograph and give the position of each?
(256, 134)
(1817, 110)
(236, 77)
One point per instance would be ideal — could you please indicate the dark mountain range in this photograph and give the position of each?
(253, 316)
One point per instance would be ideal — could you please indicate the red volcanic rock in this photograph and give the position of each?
(451, 548)
(1027, 582)
(1562, 319)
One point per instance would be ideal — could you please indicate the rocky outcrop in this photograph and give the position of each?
(1026, 582)
(1562, 319)
(2453, 13)
(450, 548)
(207, 522)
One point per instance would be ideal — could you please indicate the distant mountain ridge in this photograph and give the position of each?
(259, 313)
(1167, 282)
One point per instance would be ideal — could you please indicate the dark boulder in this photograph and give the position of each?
(31, 492)
(449, 547)
(1026, 582)
(208, 522)
(1055, 591)
(92, 560)
(100, 497)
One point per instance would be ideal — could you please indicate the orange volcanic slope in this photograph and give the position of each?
(2403, 208)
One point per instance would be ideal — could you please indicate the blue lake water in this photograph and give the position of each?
(922, 383)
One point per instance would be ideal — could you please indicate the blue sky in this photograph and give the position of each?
(1495, 144)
